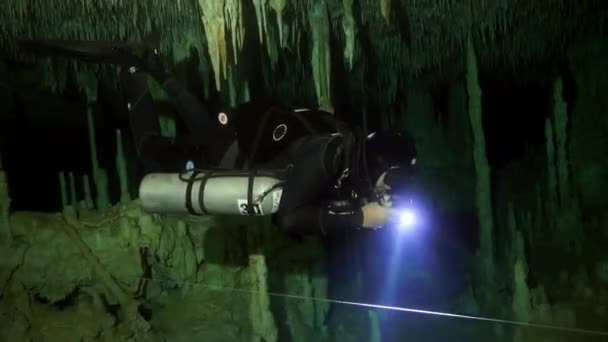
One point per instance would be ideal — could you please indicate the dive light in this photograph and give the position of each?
(407, 215)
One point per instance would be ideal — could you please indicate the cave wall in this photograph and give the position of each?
(124, 274)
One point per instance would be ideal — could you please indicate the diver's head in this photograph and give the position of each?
(391, 158)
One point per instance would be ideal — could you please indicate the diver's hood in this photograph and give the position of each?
(393, 153)
(398, 178)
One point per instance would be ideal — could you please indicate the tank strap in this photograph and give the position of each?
(250, 162)
(250, 165)
(250, 210)
(201, 197)
(189, 185)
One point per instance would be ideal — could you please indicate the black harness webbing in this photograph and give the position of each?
(250, 163)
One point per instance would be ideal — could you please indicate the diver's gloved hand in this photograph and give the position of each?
(147, 60)
(375, 215)
(152, 64)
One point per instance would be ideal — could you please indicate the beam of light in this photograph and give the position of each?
(407, 218)
(394, 308)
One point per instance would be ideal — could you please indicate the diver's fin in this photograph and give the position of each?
(93, 51)
(88, 51)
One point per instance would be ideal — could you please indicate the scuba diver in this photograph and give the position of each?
(314, 173)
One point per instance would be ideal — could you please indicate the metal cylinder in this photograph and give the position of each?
(211, 192)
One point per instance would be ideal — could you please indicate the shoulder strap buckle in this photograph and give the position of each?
(342, 177)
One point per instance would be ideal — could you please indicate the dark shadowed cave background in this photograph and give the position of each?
(524, 241)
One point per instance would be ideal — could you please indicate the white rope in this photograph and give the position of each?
(401, 309)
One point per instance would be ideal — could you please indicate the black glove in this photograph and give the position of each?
(153, 65)
(147, 59)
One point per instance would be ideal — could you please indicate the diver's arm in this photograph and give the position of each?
(322, 219)
(304, 208)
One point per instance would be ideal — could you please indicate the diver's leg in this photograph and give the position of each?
(189, 108)
(142, 116)
(157, 153)
(203, 127)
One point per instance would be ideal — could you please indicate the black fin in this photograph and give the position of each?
(93, 51)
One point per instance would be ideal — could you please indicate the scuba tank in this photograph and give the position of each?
(212, 192)
(262, 135)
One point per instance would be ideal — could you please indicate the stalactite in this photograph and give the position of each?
(350, 32)
(232, 88)
(298, 44)
(483, 197)
(385, 9)
(539, 212)
(278, 6)
(215, 31)
(294, 36)
(392, 89)
(272, 49)
(245, 95)
(55, 77)
(100, 177)
(73, 196)
(528, 222)
(260, 12)
(87, 81)
(321, 54)
(560, 118)
(88, 199)
(551, 174)
(234, 15)
(63, 190)
(121, 169)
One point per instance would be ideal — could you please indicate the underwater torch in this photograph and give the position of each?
(406, 216)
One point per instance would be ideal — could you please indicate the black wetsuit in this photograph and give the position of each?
(315, 199)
